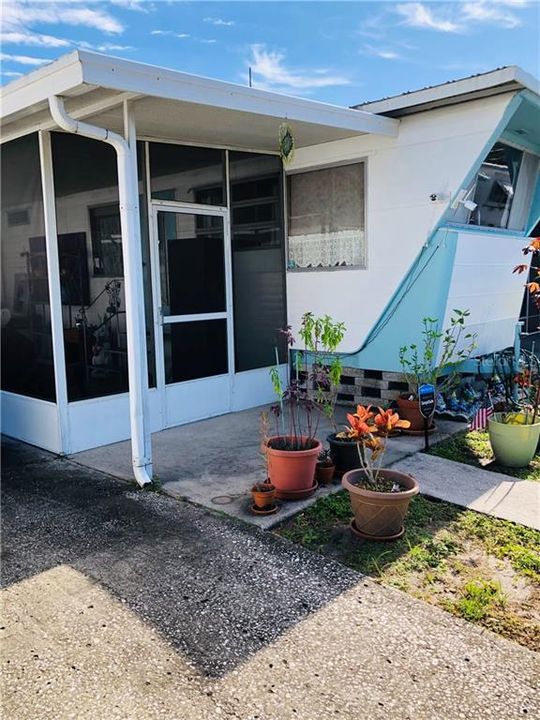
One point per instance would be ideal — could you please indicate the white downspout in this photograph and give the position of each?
(128, 191)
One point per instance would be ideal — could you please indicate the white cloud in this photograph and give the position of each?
(182, 36)
(492, 12)
(33, 39)
(17, 14)
(218, 21)
(210, 41)
(103, 47)
(23, 59)
(138, 5)
(419, 16)
(10, 74)
(385, 54)
(269, 72)
(460, 16)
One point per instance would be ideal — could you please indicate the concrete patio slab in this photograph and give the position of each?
(215, 462)
(481, 490)
(124, 604)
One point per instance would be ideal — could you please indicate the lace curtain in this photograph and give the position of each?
(326, 220)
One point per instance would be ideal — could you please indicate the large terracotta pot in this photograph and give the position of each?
(292, 469)
(512, 445)
(410, 410)
(380, 515)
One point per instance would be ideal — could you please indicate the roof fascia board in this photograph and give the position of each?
(499, 81)
(54, 79)
(144, 79)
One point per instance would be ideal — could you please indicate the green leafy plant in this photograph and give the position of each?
(314, 375)
(442, 352)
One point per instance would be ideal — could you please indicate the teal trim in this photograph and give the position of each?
(486, 230)
(422, 294)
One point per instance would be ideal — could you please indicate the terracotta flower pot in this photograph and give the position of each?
(409, 410)
(380, 515)
(263, 495)
(324, 473)
(292, 469)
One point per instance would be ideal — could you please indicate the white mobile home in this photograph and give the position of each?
(152, 243)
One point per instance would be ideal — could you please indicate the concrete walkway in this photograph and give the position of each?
(123, 604)
(215, 462)
(481, 490)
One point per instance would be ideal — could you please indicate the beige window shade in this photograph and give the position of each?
(326, 218)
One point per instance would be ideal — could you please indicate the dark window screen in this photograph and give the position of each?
(193, 174)
(258, 258)
(27, 356)
(195, 350)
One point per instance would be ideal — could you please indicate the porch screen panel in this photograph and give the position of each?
(326, 218)
(91, 267)
(187, 174)
(258, 258)
(27, 355)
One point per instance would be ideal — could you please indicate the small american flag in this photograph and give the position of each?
(480, 420)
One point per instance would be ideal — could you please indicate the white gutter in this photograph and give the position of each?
(126, 155)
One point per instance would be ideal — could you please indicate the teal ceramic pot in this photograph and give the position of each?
(513, 445)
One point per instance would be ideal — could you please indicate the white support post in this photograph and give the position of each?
(55, 295)
(128, 191)
(130, 221)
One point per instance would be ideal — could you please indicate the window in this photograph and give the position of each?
(501, 192)
(496, 186)
(106, 241)
(326, 218)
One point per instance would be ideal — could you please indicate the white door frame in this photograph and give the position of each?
(163, 388)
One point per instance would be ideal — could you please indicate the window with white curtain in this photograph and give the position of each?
(326, 218)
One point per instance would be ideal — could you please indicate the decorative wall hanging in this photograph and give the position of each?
(286, 143)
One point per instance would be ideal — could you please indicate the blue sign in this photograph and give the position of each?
(426, 400)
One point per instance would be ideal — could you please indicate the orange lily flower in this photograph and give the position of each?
(364, 413)
(357, 427)
(386, 421)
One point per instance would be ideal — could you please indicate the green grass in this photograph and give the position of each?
(473, 448)
(478, 599)
(449, 556)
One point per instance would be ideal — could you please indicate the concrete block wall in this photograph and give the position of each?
(370, 387)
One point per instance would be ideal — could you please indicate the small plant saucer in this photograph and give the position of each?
(377, 538)
(265, 511)
(297, 494)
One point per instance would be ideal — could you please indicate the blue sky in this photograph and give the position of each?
(338, 52)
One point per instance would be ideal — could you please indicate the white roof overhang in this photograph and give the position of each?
(495, 82)
(174, 105)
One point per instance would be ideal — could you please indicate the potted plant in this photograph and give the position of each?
(379, 497)
(263, 494)
(325, 468)
(293, 451)
(436, 362)
(514, 432)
